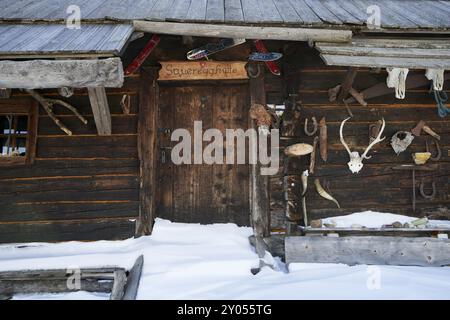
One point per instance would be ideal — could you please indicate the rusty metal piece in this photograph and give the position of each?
(323, 139)
(422, 191)
(333, 93)
(315, 127)
(418, 128)
(359, 97)
(438, 155)
(312, 161)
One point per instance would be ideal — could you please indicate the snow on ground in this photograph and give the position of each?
(371, 219)
(192, 261)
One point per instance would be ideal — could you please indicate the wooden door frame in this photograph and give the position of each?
(147, 149)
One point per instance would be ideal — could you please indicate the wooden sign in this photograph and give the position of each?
(202, 70)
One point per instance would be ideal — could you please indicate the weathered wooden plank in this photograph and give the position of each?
(384, 62)
(259, 184)
(197, 11)
(100, 109)
(108, 229)
(215, 11)
(322, 12)
(336, 8)
(209, 70)
(118, 289)
(307, 15)
(231, 31)
(160, 10)
(134, 277)
(147, 144)
(233, 11)
(269, 11)
(426, 252)
(385, 52)
(38, 74)
(179, 10)
(287, 11)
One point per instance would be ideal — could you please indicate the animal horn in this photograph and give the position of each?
(375, 141)
(341, 135)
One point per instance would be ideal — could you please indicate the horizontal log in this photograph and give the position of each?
(59, 211)
(80, 230)
(248, 32)
(38, 74)
(426, 252)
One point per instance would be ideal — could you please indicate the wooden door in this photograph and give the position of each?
(202, 193)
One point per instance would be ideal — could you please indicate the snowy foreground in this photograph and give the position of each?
(191, 261)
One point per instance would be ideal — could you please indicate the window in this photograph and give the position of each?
(18, 131)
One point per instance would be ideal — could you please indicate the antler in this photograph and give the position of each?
(374, 142)
(341, 135)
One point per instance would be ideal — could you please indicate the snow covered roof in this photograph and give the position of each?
(412, 14)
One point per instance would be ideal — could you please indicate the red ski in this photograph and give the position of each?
(272, 65)
(137, 62)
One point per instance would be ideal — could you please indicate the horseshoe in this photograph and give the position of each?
(315, 126)
(438, 155)
(422, 191)
(251, 72)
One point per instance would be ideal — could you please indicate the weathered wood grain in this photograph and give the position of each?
(426, 252)
(37, 74)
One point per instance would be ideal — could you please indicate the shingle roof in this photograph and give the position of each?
(42, 39)
(401, 14)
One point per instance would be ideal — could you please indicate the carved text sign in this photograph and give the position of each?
(202, 70)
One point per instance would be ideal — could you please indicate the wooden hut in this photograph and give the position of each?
(86, 142)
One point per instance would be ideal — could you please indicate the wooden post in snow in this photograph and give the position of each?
(147, 140)
(259, 185)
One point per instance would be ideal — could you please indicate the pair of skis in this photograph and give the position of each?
(262, 54)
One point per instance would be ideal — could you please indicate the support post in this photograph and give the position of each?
(259, 185)
(100, 109)
(147, 140)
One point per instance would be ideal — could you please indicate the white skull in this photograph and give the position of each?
(355, 164)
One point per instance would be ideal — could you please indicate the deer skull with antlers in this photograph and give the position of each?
(355, 164)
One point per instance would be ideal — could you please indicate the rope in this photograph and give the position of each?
(441, 97)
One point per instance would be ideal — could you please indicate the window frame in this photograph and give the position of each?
(22, 107)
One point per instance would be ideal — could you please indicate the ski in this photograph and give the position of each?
(263, 57)
(212, 48)
(137, 62)
(272, 65)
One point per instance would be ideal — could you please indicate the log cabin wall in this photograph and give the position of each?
(377, 186)
(80, 187)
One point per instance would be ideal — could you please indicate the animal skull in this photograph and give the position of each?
(437, 76)
(397, 79)
(356, 161)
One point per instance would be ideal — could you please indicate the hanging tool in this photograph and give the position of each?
(315, 127)
(422, 191)
(413, 169)
(323, 136)
(422, 126)
(438, 155)
(441, 98)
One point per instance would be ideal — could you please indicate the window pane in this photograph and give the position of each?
(21, 144)
(22, 124)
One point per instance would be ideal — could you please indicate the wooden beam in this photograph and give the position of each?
(384, 62)
(407, 251)
(347, 83)
(100, 109)
(147, 135)
(133, 280)
(248, 32)
(259, 184)
(40, 74)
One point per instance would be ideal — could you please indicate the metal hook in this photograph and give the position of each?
(422, 191)
(315, 127)
(438, 155)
